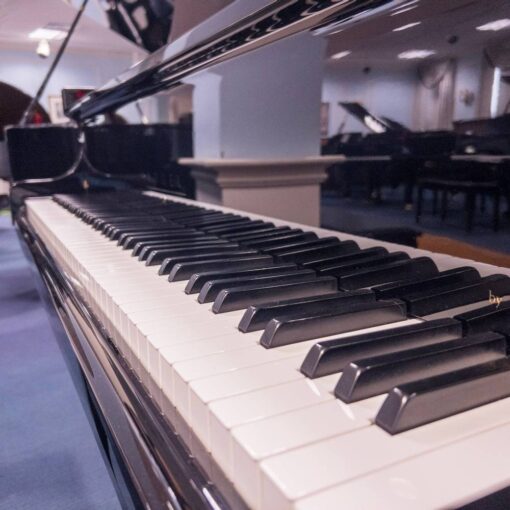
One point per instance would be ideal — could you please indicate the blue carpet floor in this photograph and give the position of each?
(357, 214)
(49, 459)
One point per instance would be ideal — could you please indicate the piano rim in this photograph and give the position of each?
(156, 469)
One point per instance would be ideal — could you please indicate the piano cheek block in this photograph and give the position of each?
(284, 331)
(421, 402)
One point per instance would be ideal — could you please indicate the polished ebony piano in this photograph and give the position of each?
(231, 360)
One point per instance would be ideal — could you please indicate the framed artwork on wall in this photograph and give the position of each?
(56, 110)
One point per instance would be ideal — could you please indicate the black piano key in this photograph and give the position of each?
(168, 263)
(156, 256)
(260, 233)
(198, 280)
(175, 231)
(288, 330)
(115, 233)
(426, 303)
(464, 275)
(212, 288)
(237, 298)
(331, 356)
(322, 262)
(143, 244)
(368, 377)
(194, 243)
(322, 242)
(256, 317)
(244, 227)
(417, 403)
(130, 242)
(213, 219)
(495, 317)
(185, 270)
(280, 240)
(318, 253)
(402, 270)
(353, 266)
(232, 224)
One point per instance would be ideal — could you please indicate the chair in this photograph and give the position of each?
(471, 190)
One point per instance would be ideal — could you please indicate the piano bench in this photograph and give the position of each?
(470, 188)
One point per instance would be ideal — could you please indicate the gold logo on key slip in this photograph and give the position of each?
(494, 300)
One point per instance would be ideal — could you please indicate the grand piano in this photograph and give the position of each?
(231, 360)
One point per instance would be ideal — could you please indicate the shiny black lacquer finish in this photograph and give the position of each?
(277, 20)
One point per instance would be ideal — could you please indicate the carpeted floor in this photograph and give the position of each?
(49, 459)
(356, 214)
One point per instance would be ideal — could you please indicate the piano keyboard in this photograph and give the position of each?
(312, 367)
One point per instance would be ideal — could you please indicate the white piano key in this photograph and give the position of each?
(458, 473)
(255, 441)
(288, 477)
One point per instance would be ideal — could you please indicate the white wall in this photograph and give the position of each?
(25, 70)
(387, 93)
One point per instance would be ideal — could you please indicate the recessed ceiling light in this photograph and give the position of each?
(412, 54)
(340, 54)
(405, 27)
(499, 24)
(48, 34)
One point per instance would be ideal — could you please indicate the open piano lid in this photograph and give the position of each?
(219, 40)
(375, 124)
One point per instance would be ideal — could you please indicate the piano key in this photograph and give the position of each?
(286, 330)
(198, 280)
(330, 356)
(212, 219)
(146, 251)
(233, 224)
(300, 245)
(237, 298)
(313, 254)
(320, 263)
(212, 288)
(367, 377)
(260, 233)
(256, 317)
(414, 404)
(322, 242)
(184, 270)
(426, 303)
(285, 239)
(156, 256)
(422, 266)
(130, 242)
(173, 229)
(254, 441)
(353, 266)
(170, 263)
(244, 226)
(463, 274)
(492, 317)
(425, 480)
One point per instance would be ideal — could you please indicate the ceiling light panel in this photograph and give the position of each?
(413, 54)
(48, 34)
(496, 25)
(405, 27)
(340, 54)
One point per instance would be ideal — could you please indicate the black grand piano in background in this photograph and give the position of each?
(392, 155)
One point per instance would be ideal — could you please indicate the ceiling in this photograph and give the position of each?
(20, 17)
(375, 41)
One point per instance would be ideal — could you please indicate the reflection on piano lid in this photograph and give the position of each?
(375, 124)
(296, 374)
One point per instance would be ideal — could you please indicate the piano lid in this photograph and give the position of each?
(168, 66)
(375, 124)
